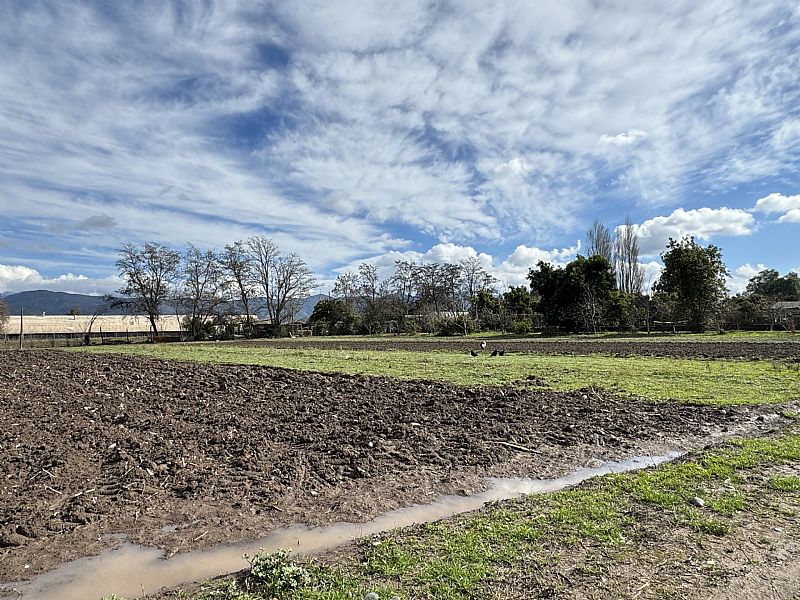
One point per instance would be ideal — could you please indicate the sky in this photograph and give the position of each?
(352, 131)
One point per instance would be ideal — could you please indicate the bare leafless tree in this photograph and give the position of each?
(236, 262)
(369, 296)
(264, 254)
(452, 278)
(202, 290)
(5, 313)
(429, 293)
(630, 274)
(368, 282)
(283, 280)
(345, 288)
(149, 273)
(437, 287)
(403, 280)
(589, 308)
(474, 278)
(599, 241)
(372, 297)
(294, 283)
(107, 302)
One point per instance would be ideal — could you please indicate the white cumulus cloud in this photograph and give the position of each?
(18, 278)
(788, 206)
(702, 223)
(738, 279)
(528, 256)
(652, 272)
(514, 269)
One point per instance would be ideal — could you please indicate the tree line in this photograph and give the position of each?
(211, 287)
(417, 297)
(604, 290)
(461, 298)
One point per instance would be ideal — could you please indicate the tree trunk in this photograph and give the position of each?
(154, 326)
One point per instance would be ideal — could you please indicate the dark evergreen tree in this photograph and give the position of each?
(694, 278)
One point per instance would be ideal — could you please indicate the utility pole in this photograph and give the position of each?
(21, 327)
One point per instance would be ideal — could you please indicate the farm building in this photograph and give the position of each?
(785, 312)
(80, 324)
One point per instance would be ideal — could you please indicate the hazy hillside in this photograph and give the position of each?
(308, 307)
(54, 303)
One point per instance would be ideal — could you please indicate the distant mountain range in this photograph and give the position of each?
(61, 303)
(55, 303)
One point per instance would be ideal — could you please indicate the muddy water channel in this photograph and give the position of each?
(132, 570)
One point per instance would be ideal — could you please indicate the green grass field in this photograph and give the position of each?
(698, 381)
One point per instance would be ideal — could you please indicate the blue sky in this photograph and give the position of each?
(369, 131)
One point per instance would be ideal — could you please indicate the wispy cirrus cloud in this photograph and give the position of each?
(134, 134)
(355, 130)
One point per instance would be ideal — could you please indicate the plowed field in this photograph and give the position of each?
(183, 455)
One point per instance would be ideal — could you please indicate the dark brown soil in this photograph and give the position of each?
(183, 455)
(784, 351)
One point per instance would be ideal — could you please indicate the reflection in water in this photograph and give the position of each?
(131, 570)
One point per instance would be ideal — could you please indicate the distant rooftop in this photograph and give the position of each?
(786, 305)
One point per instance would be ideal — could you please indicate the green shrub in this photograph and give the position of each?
(276, 573)
(522, 327)
(460, 325)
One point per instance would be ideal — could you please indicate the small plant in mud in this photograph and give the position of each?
(276, 573)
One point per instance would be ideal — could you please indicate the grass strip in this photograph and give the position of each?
(657, 378)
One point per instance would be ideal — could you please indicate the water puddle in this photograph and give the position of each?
(133, 571)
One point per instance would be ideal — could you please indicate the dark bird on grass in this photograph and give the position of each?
(494, 352)
(473, 353)
(483, 345)
(502, 353)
